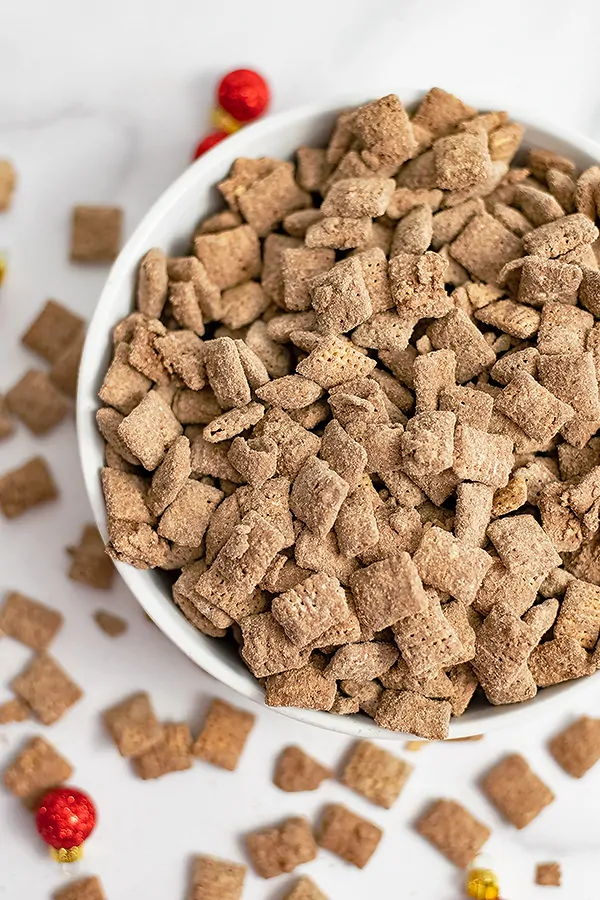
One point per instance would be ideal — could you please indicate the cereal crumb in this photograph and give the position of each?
(577, 748)
(14, 711)
(113, 626)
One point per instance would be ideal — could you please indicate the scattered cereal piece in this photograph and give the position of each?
(305, 889)
(37, 402)
(54, 328)
(376, 774)
(548, 874)
(82, 889)
(577, 748)
(223, 736)
(173, 753)
(26, 487)
(28, 621)
(36, 769)
(281, 849)
(113, 626)
(47, 689)
(133, 725)
(217, 879)
(347, 835)
(454, 831)
(297, 771)
(516, 791)
(96, 234)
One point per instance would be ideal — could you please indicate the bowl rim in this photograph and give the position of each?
(143, 589)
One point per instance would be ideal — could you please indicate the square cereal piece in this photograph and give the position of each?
(274, 851)
(433, 373)
(28, 621)
(449, 223)
(113, 626)
(298, 266)
(533, 408)
(52, 330)
(454, 831)
(337, 233)
(296, 771)
(462, 160)
(345, 455)
(485, 246)
(347, 835)
(512, 318)
(181, 354)
(563, 329)
(133, 725)
(189, 269)
(335, 361)
(376, 774)
(523, 546)
(15, 710)
(225, 373)
(310, 608)
(440, 112)
(223, 736)
(313, 169)
(572, 378)
(457, 332)
(185, 521)
(548, 281)
(28, 486)
(428, 442)
(385, 131)
(561, 236)
(307, 688)
(473, 513)
(362, 662)
(65, 370)
(82, 889)
(272, 258)
(216, 879)
(47, 688)
(36, 769)
(516, 792)
(150, 429)
(451, 566)
(340, 297)
(317, 495)
(482, 457)
(173, 753)
(471, 407)
(8, 180)
(37, 402)
(270, 199)
(408, 712)
(579, 615)
(123, 386)
(243, 304)
(305, 889)
(577, 748)
(417, 284)
(387, 591)
(356, 197)
(548, 874)
(125, 496)
(231, 256)
(96, 233)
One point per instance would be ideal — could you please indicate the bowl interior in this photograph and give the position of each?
(169, 225)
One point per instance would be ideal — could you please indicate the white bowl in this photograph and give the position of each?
(169, 225)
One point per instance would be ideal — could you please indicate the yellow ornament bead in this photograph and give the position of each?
(62, 855)
(483, 885)
(222, 121)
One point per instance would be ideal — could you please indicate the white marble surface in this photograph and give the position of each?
(103, 103)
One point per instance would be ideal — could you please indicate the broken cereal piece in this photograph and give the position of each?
(516, 791)
(133, 725)
(347, 835)
(216, 879)
(96, 233)
(171, 754)
(295, 771)
(376, 774)
(305, 889)
(28, 621)
(454, 831)
(8, 180)
(223, 736)
(274, 851)
(47, 689)
(577, 748)
(37, 402)
(113, 626)
(52, 330)
(37, 768)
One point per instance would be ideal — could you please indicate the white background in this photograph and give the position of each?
(102, 103)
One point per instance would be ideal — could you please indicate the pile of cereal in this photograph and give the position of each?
(358, 420)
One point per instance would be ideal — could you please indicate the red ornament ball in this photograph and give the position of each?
(208, 142)
(244, 94)
(65, 818)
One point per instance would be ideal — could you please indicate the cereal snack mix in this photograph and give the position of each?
(357, 423)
